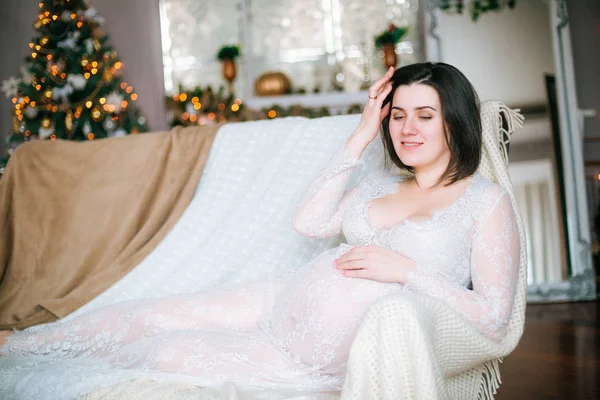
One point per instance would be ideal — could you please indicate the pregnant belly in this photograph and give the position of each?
(316, 316)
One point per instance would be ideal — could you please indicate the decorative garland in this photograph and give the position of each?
(204, 106)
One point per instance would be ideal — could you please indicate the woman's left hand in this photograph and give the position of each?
(375, 263)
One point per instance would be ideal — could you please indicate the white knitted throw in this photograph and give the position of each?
(408, 347)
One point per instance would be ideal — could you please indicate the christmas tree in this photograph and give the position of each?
(70, 85)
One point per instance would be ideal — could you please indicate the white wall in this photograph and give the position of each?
(505, 55)
(134, 30)
(16, 30)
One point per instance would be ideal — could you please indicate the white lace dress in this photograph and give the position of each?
(293, 331)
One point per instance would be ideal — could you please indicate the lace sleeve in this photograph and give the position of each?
(494, 269)
(321, 211)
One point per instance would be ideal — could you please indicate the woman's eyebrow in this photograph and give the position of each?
(416, 108)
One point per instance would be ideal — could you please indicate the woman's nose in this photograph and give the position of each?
(409, 127)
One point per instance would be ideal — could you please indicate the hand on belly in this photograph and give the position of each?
(317, 315)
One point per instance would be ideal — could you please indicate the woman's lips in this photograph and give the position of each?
(411, 145)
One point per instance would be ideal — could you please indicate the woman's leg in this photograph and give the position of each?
(107, 329)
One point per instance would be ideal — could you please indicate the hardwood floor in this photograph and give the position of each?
(558, 356)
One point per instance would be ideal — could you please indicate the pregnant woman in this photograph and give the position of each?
(440, 230)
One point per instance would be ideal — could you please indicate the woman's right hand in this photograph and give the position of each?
(372, 116)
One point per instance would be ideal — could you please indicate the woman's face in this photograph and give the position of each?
(417, 128)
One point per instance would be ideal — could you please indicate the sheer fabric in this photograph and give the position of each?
(291, 331)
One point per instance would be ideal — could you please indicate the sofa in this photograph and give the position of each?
(235, 226)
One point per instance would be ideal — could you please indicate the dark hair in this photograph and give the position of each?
(460, 111)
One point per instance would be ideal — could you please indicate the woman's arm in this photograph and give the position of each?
(321, 211)
(494, 269)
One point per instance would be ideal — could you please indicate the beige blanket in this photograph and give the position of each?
(76, 217)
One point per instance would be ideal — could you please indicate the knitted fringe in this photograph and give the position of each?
(490, 380)
(514, 120)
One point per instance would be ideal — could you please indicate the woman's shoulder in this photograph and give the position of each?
(487, 194)
(486, 188)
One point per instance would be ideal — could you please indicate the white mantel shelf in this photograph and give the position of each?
(333, 100)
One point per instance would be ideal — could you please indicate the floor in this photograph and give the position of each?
(558, 356)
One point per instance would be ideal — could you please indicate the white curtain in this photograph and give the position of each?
(535, 190)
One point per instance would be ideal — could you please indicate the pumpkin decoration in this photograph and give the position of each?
(272, 84)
